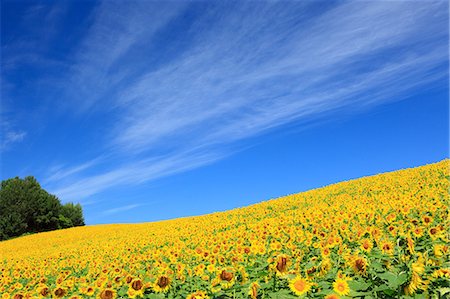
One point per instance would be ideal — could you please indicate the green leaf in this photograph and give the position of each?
(262, 274)
(155, 296)
(390, 292)
(377, 266)
(444, 291)
(402, 278)
(381, 288)
(284, 294)
(394, 281)
(122, 291)
(359, 285)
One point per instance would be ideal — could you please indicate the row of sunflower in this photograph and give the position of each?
(385, 236)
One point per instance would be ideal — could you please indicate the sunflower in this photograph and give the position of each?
(211, 268)
(89, 291)
(366, 245)
(282, 264)
(43, 291)
(198, 295)
(310, 272)
(253, 290)
(332, 296)
(440, 250)
(418, 266)
(325, 266)
(387, 247)
(59, 292)
(341, 287)
(137, 285)
(410, 244)
(417, 232)
(325, 252)
(107, 294)
(441, 273)
(18, 286)
(162, 284)
(359, 265)
(226, 278)
(427, 220)
(300, 286)
(414, 285)
(434, 233)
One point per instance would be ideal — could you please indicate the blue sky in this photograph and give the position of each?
(146, 110)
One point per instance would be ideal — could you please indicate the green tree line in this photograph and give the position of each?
(27, 208)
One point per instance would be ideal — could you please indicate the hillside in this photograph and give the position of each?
(376, 236)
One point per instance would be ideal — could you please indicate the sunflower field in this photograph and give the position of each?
(384, 236)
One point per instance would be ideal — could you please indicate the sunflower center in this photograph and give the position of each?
(106, 294)
(226, 275)
(59, 292)
(300, 285)
(360, 264)
(163, 281)
(137, 285)
(44, 292)
(282, 264)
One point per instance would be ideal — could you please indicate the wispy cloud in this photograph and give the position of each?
(117, 29)
(120, 209)
(247, 69)
(10, 133)
(135, 173)
(11, 137)
(60, 172)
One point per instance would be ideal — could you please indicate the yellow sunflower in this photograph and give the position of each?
(89, 291)
(359, 265)
(341, 287)
(59, 292)
(162, 284)
(434, 233)
(253, 290)
(282, 264)
(300, 286)
(226, 278)
(387, 247)
(441, 273)
(43, 291)
(366, 245)
(107, 294)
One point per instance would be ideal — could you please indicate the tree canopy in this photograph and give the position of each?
(27, 208)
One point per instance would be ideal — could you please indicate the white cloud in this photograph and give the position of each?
(13, 136)
(60, 172)
(133, 174)
(10, 135)
(249, 69)
(121, 209)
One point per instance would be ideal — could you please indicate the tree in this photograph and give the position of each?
(74, 213)
(26, 208)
